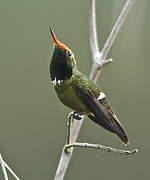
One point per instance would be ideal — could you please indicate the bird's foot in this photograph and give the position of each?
(75, 115)
(71, 117)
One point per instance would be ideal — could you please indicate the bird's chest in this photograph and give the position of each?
(68, 97)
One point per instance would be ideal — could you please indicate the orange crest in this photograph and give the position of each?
(56, 41)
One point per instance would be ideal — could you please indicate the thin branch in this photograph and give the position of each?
(65, 157)
(98, 62)
(11, 171)
(3, 163)
(102, 148)
(95, 52)
(116, 28)
(3, 168)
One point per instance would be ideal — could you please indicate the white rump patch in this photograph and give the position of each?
(101, 96)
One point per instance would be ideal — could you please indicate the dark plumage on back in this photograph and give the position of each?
(100, 115)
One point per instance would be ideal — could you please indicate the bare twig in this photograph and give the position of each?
(11, 171)
(116, 28)
(98, 63)
(3, 168)
(4, 164)
(102, 148)
(65, 157)
(95, 52)
(99, 60)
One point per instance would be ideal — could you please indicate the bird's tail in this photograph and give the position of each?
(112, 125)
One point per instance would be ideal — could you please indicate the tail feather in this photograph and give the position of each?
(114, 127)
(101, 113)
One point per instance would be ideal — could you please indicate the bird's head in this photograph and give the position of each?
(63, 61)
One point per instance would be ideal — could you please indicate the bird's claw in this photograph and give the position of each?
(75, 115)
(72, 116)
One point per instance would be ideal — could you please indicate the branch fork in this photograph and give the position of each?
(99, 59)
(5, 167)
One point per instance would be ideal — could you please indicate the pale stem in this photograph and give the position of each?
(65, 157)
(3, 168)
(116, 28)
(98, 59)
(11, 171)
(102, 148)
(4, 164)
(93, 31)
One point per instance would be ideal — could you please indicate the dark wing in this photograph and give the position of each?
(100, 114)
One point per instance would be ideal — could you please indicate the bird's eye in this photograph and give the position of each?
(69, 53)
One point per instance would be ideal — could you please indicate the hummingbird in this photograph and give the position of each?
(78, 92)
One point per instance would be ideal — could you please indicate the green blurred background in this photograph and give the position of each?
(32, 120)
